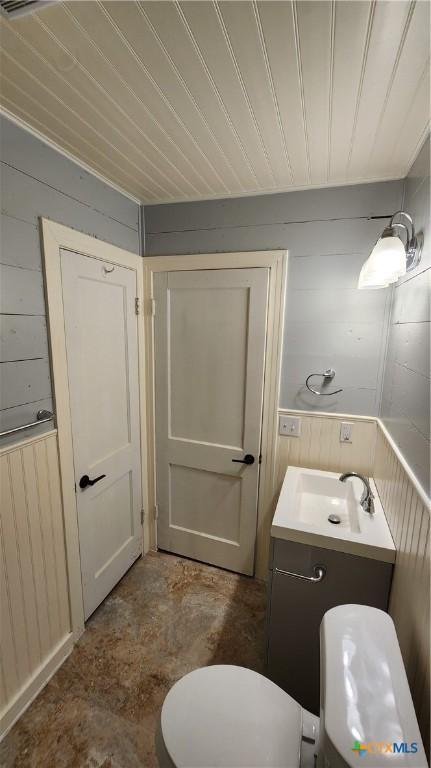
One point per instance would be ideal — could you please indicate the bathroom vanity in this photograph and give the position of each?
(315, 565)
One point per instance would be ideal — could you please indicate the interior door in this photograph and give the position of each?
(102, 362)
(210, 331)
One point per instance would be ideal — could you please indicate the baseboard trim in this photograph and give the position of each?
(22, 700)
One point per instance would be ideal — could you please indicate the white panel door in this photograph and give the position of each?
(102, 362)
(210, 331)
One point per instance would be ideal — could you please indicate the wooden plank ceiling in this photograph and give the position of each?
(195, 100)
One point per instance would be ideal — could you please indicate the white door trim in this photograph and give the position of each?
(55, 237)
(276, 262)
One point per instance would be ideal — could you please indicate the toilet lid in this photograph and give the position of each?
(230, 717)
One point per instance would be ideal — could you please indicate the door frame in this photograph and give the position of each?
(276, 262)
(57, 237)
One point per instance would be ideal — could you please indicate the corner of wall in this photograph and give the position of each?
(142, 230)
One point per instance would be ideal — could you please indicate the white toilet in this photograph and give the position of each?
(230, 717)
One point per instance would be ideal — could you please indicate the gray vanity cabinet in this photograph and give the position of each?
(296, 608)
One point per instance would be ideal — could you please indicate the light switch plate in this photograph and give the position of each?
(289, 425)
(346, 430)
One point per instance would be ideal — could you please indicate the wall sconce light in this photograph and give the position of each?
(390, 257)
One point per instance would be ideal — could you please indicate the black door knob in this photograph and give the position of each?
(248, 459)
(85, 481)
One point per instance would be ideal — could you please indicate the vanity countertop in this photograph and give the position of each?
(309, 497)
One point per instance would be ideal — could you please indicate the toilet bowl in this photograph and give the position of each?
(229, 717)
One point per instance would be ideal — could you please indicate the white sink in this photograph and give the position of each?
(317, 497)
(308, 500)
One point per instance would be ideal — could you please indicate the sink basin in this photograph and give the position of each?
(316, 508)
(320, 499)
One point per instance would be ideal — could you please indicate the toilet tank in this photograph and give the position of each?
(366, 709)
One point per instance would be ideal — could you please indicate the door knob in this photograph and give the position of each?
(248, 459)
(85, 480)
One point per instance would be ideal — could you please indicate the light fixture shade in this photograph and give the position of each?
(386, 263)
(369, 279)
(388, 257)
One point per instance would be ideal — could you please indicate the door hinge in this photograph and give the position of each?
(142, 515)
(156, 511)
(137, 305)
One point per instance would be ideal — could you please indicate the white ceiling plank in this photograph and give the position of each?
(387, 36)
(63, 75)
(108, 82)
(277, 26)
(167, 49)
(314, 32)
(352, 22)
(227, 32)
(413, 63)
(22, 82)
(61, 131)
(204, 25)
(174, 118)
(248, 48)
(414, 129)
(189, 100)
(199, 79)
(59, 74)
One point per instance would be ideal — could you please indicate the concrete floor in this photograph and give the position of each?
(166, 617)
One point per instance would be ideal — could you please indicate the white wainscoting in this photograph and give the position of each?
(35, 617)
(319, 446)
(408, 515)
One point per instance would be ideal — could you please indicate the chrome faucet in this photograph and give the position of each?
(367, 497)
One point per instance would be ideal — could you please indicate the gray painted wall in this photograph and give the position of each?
(37, 181)
(329, 323)
(406, 391)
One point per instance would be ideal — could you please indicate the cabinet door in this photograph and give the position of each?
(297, 608)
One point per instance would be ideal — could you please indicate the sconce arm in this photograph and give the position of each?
(410, 221)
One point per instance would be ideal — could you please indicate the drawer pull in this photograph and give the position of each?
(319, 574)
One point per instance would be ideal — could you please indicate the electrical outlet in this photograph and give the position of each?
(346, 430)
(290, 425)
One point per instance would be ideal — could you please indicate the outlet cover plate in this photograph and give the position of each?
(346, 429)
(289, 426)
